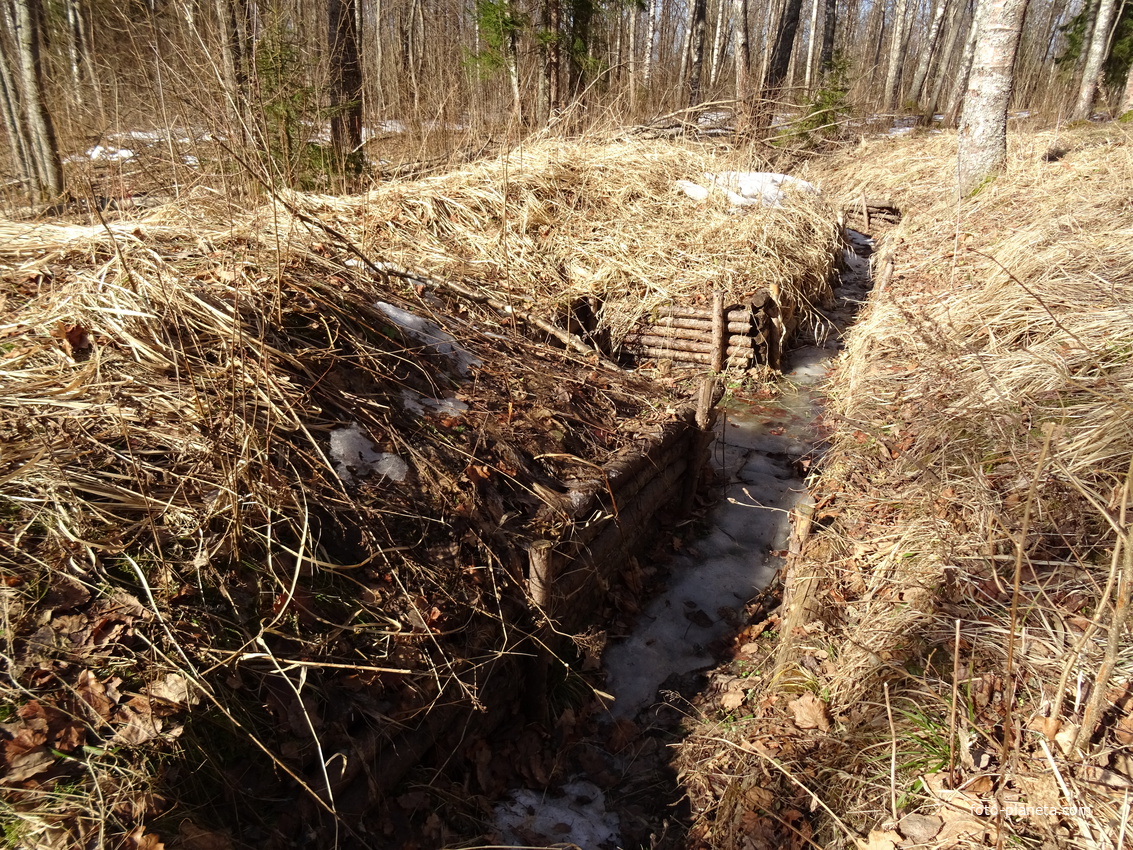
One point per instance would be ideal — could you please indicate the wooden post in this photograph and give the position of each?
(540, 577)
(719, 335)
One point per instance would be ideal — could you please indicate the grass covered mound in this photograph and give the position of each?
(966, 582)
(266, 504)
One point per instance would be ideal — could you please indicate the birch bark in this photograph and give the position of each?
(983, 124)
(1095, 58)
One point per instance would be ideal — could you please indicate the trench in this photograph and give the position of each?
(622, 791)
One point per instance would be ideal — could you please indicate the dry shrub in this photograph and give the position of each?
(980, 474)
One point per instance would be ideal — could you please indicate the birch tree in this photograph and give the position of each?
(697, 27)
(1127, 98)
(1095, 58)
(983, 124)
(928, 50)
(22, 58)
(898, 47)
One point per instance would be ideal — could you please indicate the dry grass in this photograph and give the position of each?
(979, 480)
(170, 391)
(557, 220)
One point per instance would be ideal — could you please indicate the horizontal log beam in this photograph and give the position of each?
(736, 344)
(696, 358)
(733, 314)
(686, 323)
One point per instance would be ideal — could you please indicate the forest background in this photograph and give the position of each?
(429, 78)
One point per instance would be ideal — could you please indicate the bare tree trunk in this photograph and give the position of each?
(898, 47)
(511, 49)
(1127, 98)
(829, 23)
(928, 50)
(231, 61)
(743, 67)
(634, 14)
(12, 109)
(811, 52)
(780, 61)
(697, 27)
(720, 40)
(1095, 58)
(983, 127)
(960, 85)
(650, 37)
(41, 132)
(345, 79)
(552, 58)
(686, 52)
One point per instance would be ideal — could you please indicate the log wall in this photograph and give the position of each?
(716, 336)
(613, 515)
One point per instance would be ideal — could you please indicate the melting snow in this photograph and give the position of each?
(420, 404)
(351, 448)
(436, 340)
(114, 154)
(748, 188)
(578, 817)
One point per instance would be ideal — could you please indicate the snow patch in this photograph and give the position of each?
(436, 340)
(112, 154)
(579, 816)
(420, 404)
(352, 449)
(748, 188)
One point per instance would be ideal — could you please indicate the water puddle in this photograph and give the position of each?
(761, 451)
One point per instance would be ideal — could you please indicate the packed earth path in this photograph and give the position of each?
(672, 662)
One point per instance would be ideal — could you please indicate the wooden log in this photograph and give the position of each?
(592, 558)
(682, 323)
(740, 360)
(734, 314)
(737, 344)
(541, 574)
(704, 402)
(615, 502)
(719, 335)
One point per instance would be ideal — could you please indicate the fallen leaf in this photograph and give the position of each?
(920, 829)
(732, 700)
(809, 712)
(136, 727)
(880, 840)
(93, 693)
(139, 839)
(174, 688)
(23, 760)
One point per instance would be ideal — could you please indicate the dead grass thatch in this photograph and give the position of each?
(969, 645)
(257, 494)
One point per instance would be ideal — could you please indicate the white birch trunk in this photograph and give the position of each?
(898, 47)
(1127, 100)
(1095, 58)
(983, 125)
(650, 32)
(48, 166)
(720, 40)
(960, 85)
(808, 79)
(928, 49)
(12, 111)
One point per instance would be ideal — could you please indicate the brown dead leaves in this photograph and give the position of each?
(810, 713)
(91, 712)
